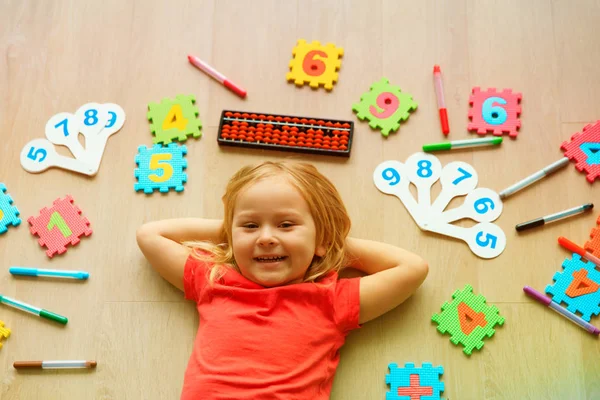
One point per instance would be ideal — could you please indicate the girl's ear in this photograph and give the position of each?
(320, 251)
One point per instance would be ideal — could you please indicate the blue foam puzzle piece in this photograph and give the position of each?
(587, 304)
(400, 378)
(9, 214)
(161, 168)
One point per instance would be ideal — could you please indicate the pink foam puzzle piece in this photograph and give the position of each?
(59, 226)
(495, 112)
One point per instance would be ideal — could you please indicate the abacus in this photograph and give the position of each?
(286, 133)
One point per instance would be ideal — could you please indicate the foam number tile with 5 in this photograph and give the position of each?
(174, 119)
(9, 214)
(486, 240)
(315, 64)
(384, 106)
(39, 154)
(161, 168)
(59, 226)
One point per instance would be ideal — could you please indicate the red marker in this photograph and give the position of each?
(439, 92)
(204, 67)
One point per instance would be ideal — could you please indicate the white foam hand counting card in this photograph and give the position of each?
(96, 122)
(485, 239)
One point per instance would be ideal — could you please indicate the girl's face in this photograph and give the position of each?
(273, 233)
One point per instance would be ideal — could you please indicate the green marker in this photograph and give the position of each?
(462, 143)
(33, 310)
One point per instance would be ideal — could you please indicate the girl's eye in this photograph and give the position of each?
(250, 226)
(286, 225)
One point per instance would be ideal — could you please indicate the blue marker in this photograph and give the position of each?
(48, 272)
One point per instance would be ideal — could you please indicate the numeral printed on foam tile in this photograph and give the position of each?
(485, 239)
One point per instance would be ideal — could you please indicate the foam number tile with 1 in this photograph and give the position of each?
(315, 64)
(59, 226)
(174, 119)
(161, 168)
(384, 106)
(486, 240)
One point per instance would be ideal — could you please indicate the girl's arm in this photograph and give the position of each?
(160, 241)
(394, 275)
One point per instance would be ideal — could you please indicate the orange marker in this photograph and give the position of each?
(567, 244)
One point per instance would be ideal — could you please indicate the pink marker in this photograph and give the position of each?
(207, 69)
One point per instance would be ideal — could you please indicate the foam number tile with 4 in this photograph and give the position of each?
(584, 149)
(495, 112)
(9, 214)
(174, 119)
(384, 106)
(578, 286)
(468, 319)
(161, 168)
(414, 383)
(59, 226)
(315, 64)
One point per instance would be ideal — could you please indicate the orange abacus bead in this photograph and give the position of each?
(237, 115)
(253, 116)
(228, 113)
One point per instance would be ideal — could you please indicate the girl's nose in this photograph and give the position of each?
(266, 237)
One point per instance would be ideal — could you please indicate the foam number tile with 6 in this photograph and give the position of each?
(486, 240)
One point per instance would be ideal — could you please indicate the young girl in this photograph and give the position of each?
(273, 312)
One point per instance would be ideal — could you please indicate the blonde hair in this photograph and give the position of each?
(332, 222)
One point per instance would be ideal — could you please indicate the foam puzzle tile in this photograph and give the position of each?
(495, 112)
(315, 64)
(160, 168)
(384, 106)
(593, 245)
(172, 120)
(4, 332)
(59, 226)
(468, 319)
(584, 149)
(577, 286)
(9, 214)
(414, 383)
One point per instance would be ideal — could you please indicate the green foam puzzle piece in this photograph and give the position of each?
(449, 321)
(375, 105)
(172, 120)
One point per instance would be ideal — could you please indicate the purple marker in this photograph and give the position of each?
(539, 297)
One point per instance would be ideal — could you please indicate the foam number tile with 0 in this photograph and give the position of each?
(384, 106)
(315, 64)
(482, 205)
(161, 168)
(172, 120)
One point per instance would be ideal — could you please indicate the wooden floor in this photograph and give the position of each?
(59, 55)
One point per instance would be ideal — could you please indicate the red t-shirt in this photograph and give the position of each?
(260, 343)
